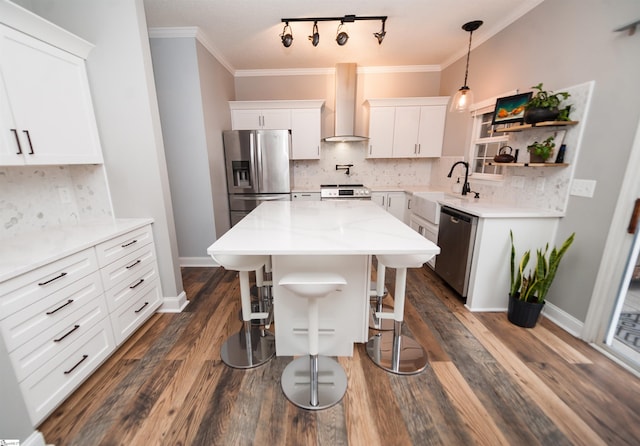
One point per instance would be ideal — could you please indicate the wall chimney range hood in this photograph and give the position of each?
(345, 105)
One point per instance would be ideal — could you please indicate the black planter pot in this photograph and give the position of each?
(535, 115)
(524, 314)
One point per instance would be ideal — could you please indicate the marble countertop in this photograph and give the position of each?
(24, 252)
(485, 208)
(321, 228)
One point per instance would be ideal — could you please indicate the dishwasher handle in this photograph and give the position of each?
(456, 216)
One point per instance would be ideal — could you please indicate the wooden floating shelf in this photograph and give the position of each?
(519, 128)
(492, 163)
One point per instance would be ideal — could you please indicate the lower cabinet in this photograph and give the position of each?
(305, 196)
(426, 229)
(60, 321)
(393, 202)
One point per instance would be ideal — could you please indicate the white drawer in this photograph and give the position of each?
(52, 312)
(121, 293)
(118, 247)
(42, 348)
(27, 288)
(130, 316)
(128, 268)
(48, 386)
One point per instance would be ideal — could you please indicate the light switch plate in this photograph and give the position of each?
(583, 188)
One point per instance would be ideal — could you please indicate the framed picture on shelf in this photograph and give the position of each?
(510, 109)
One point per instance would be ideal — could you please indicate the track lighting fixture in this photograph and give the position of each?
(464, 96)
(315, 37)
(287, 37)
(381, 34)
(341, 36)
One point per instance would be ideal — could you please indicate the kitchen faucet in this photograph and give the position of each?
(465, 186)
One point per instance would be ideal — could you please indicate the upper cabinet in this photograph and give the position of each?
(406, 127)
(303, 118)
(46, 113)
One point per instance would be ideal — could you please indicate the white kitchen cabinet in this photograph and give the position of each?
(277, 119)
(393, 202)
(60, 318)
(406, 127)
(426, 229)
(305, 133)
(46, 115)
(381, 122)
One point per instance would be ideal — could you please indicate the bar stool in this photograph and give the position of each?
(376, 323)
(393, 351)
(314, 382)
(252, 346)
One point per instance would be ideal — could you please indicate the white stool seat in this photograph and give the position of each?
(393, 351)
(316, 382)
(252, 346)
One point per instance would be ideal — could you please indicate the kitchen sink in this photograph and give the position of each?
(425, 205)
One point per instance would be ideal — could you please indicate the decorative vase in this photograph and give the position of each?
(524, 314)
(535, 115)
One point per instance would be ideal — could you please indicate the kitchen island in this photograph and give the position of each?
(337, 236)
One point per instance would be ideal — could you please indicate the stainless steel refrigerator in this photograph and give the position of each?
(257, 165)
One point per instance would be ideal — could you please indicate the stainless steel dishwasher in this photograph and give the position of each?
(456, 238)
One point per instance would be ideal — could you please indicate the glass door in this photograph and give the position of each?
(623, 334)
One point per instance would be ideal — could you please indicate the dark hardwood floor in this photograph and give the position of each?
(487, 382)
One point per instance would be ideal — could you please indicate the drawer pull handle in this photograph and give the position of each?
(75, 327)
(134, 264)
(60, 276)
(142, 307)
(77, 364)
(49, 313)
(26, 132)
(128, 244)
(15, 133)
(138, 283)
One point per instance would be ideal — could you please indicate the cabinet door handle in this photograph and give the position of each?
(136, 284)
(15, 133)
(419, 149)
(77, 364)
(49, 313)
(75, 327)
(133, 264)
(389, 202)
(59, 276)
(141, 308)
(415, 149)
(31, 152)
(370, 148)
(128, 244)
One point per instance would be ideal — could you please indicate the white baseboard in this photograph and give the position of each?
(196, 261)
(563, 319)
(174, 304)
(35, 439)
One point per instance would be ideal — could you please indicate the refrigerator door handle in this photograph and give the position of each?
(259, 166)
(253, 149)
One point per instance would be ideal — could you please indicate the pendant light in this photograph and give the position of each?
(286, 37)
(464, 96)
(315, 37)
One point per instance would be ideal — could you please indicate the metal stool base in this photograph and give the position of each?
(234, 351)
(410, 357)
(378, 324)
(296, 382)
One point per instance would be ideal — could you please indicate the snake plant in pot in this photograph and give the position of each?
(529, 287)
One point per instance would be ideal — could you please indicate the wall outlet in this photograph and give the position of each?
(517, 182)
(540, 184)
(583, 188)
(65, 196)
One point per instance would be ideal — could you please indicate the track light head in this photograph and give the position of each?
(286, 37)
(315, 37)
(381, 34)
(341, 36)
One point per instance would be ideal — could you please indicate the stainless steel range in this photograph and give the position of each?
(344, 192)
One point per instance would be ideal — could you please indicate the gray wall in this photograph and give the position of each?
(565, 43)
(124, 97)
(193, 91)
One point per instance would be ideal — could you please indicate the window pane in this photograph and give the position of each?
(480, 151)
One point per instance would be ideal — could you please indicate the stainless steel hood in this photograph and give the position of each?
(345, 106)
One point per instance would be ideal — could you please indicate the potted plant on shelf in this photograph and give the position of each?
(544, 106)
(529, 288)
(539, 152)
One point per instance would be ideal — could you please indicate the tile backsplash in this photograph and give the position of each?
(36, 197)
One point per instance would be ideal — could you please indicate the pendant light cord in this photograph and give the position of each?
(466, 71)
